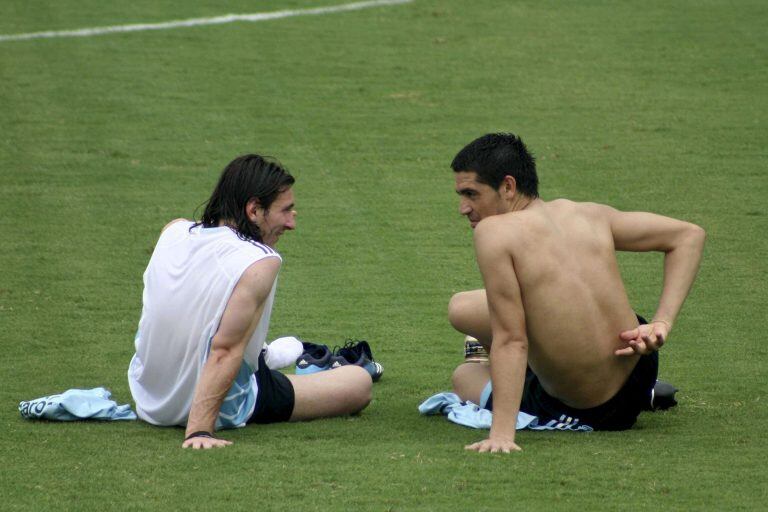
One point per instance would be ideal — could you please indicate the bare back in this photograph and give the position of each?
(574, 300)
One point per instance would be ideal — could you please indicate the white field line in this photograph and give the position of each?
(196, 22)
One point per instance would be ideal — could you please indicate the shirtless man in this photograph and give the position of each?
(563, 339)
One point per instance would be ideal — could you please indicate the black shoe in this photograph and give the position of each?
(315, 358)
(357, 353)
(663, 396)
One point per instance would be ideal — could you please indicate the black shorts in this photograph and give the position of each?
(618, 413)
(275, 398)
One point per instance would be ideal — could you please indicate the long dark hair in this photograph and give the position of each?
(244, 178)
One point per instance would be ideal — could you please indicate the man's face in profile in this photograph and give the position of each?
(280, 217)
(478, 200)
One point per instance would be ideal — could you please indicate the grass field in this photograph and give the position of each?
(656, 106)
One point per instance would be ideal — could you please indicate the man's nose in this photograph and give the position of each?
(464, 208)
(291, 224)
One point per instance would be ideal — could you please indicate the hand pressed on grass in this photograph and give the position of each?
(494, 445)
(205, 443)
(204, 440)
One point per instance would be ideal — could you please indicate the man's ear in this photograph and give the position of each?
(508, 186)
(253, 209)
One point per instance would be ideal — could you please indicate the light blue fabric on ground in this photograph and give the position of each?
(486, 394)
(474, 416)
(76, 404)
(240, 401)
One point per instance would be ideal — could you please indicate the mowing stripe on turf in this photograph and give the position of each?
(196, 22)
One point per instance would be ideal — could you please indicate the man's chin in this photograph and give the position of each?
(272, 240)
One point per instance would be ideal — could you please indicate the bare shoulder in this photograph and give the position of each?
(244, 307)
(260, 275)
(267, 265)
(497, 227)
(174, 221)
(594, 213)
(584, 207)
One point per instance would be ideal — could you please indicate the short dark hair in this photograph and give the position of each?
(245, 178)
(496, 155)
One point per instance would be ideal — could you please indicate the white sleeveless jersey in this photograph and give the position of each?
(187, 285)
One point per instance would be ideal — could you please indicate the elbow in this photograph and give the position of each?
(223, 355)
(516, 344)
(689, 238)
(508, 350)
(696, 236)
(700, 233)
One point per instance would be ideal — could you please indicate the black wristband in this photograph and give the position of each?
(199, 433)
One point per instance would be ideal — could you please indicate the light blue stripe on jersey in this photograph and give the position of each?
(240, 401)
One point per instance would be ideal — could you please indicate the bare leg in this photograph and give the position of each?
(338, 392)
(469, 380)
(468, 313)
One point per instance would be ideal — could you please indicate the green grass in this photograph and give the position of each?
(655, 106)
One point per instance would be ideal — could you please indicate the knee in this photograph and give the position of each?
(469, 379)
(459, 376)
(361, 390)
(457, 307)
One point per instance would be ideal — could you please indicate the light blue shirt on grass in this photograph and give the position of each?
(471, 415)
(76, 404)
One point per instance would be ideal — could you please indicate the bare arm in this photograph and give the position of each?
(682, 244)
(509, 349)
(238, 322)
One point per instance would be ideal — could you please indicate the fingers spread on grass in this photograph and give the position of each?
(205, 443)
(492, 446)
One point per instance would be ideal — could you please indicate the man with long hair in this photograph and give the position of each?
(564, 343)
(208, 294)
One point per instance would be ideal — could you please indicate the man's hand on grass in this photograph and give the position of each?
(494, 446)
(204, 443)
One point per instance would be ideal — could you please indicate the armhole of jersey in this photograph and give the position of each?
(174, 233)
(173, 223)
(230, 289)
(243, 258)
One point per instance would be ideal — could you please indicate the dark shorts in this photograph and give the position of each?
(618, 413)
(275, 398)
